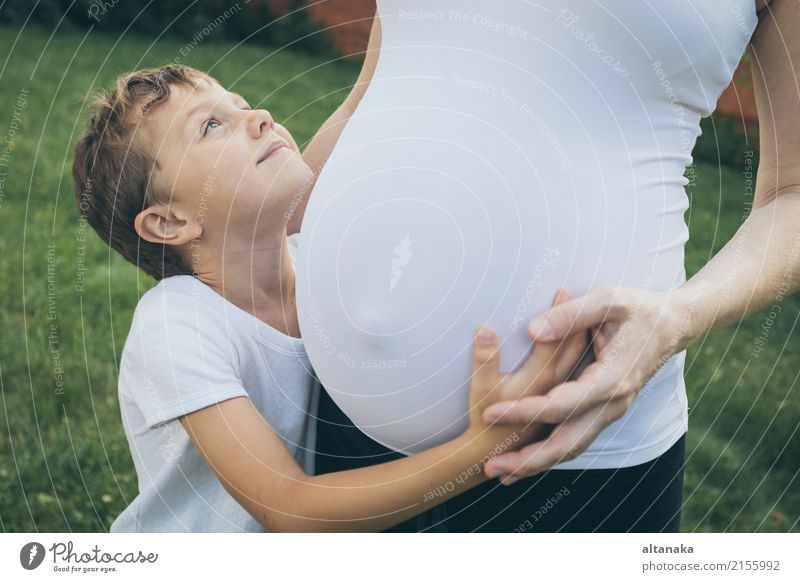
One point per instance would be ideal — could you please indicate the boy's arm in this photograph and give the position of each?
(318, 150)
(254, 466)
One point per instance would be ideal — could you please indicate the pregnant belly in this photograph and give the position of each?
(456, 199)
(409, 245)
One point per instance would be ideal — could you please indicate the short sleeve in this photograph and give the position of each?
(178, 358)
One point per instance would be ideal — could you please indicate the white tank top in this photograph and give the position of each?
(503, 150)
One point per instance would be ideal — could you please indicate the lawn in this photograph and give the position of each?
(64, 460)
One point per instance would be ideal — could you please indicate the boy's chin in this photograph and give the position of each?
(297, 188)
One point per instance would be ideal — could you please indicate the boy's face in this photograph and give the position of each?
(211, 150)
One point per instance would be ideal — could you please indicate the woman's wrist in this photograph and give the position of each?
(692, 322)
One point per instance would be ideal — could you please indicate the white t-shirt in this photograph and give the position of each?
(485, 168)
(189, 348)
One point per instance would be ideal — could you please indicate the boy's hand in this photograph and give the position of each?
(551, 363)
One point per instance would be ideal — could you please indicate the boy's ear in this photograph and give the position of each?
(159, 224)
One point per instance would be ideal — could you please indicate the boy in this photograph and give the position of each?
(186, 181)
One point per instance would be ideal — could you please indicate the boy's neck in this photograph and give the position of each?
(258, 280)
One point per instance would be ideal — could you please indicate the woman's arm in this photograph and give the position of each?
(321, 145)
(255, 467)
(759, 265)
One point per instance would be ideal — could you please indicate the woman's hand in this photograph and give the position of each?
(634, 333)
(550, 364)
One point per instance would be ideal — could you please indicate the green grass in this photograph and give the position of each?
(64, 460)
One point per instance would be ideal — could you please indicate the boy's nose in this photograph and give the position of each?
(260, 122)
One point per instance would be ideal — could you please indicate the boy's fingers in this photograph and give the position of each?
(570, 354)
(485, 361)
(541, 364)
(571, 349)
(543, 351)
(538, 369)
(562, 296)
(598, 342)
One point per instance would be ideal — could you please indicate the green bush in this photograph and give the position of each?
(724, 142)
(205, 19)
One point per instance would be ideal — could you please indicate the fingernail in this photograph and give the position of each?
(486, 336)
(494, 412)
(489, 418)
(510, 480)
(541, 330)
(495, 471)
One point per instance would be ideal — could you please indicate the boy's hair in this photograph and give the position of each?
(113, 171)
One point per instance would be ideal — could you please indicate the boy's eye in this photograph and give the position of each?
(210, 124)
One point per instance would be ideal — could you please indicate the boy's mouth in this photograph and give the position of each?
(275, 146)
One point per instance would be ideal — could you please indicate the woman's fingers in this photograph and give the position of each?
(552, 362)
(564, 443)
(559, 404)
(599, 305)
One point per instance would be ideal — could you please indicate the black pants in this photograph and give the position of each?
(643, 498)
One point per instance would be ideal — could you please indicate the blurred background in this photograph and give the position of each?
(68, 301)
